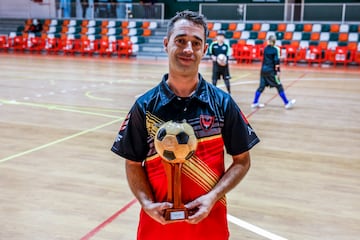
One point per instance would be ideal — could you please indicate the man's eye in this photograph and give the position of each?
(196, 44)
(180, 41)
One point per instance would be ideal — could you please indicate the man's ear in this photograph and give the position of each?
(165, 41)
(206, 48)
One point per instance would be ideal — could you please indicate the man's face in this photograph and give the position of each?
(220, 38)
(186, 46)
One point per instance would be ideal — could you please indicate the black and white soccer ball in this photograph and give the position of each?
(221, 59)
(175, 142)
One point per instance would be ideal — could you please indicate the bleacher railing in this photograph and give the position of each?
(308, 12)
(100, 10)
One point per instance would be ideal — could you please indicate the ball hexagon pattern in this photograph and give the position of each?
(175, 142)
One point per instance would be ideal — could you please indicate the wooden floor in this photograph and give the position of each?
(59, 180)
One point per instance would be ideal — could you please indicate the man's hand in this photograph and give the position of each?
(157, 210)
(200, 208)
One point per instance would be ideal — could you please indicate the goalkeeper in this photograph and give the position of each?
(217, 48)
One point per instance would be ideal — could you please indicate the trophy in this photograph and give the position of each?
(175, 143)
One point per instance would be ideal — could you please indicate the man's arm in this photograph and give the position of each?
(233, 175)
(140, 187)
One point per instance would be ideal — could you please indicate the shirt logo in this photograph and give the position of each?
(206, 122)
(125, 122)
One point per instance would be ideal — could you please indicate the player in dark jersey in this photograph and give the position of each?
(218, 124)
(220, 69)
(270, 74)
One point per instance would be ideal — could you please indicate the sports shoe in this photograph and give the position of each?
(257, 105)
(290, 104)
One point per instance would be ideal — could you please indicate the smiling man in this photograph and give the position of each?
(219, 125)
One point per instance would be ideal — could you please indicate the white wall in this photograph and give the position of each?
(27, 9)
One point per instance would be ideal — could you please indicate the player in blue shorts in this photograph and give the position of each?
(270, 75)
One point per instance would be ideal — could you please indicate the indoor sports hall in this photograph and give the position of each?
(61, 110)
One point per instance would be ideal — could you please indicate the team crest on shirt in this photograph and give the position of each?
(206, 122)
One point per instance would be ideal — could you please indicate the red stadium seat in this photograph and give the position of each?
(356, 57)
(87, 46)
(315, 55)
(291, 54)
(19, 43)
(102, 47)
(4, 45)
(53, 45)
(36, 44)
(124, 48)
(341, 55)
(243, 52)
(71, 46)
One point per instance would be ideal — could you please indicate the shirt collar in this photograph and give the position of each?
(201, 92)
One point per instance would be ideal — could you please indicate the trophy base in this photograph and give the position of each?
(176, 214)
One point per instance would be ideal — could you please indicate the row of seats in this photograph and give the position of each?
(67, 46)
(284, 27)
(303, 34)
(293, 54)
(134, 31)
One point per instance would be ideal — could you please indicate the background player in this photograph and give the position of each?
(270, 74)
(217, 48)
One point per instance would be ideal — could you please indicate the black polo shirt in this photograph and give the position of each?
(209, 110)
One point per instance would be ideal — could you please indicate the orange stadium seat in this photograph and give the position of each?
(212, 34)
(282, 27)
(288, 36)
(315, 36)
(334, 28)
(262, 35)
(343, 37)
(256, 27)
(124, 24)
(237, 35)
(145, 24)
(147, 32)
(232, 26)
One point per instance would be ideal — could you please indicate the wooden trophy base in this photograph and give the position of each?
(176, 214)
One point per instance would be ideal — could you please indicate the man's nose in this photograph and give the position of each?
(188, 47)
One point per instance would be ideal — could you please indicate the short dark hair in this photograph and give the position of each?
(194, 17)
(272, 39)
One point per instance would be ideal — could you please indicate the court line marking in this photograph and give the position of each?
(253, 228)
(56, 107)
(109, 220)
(59, 140)
(89, 95)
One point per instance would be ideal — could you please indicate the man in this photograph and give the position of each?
(149, 8)
(217, 48)
(35, 27)
(123, 9)
(270, 75)
(218, 122)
